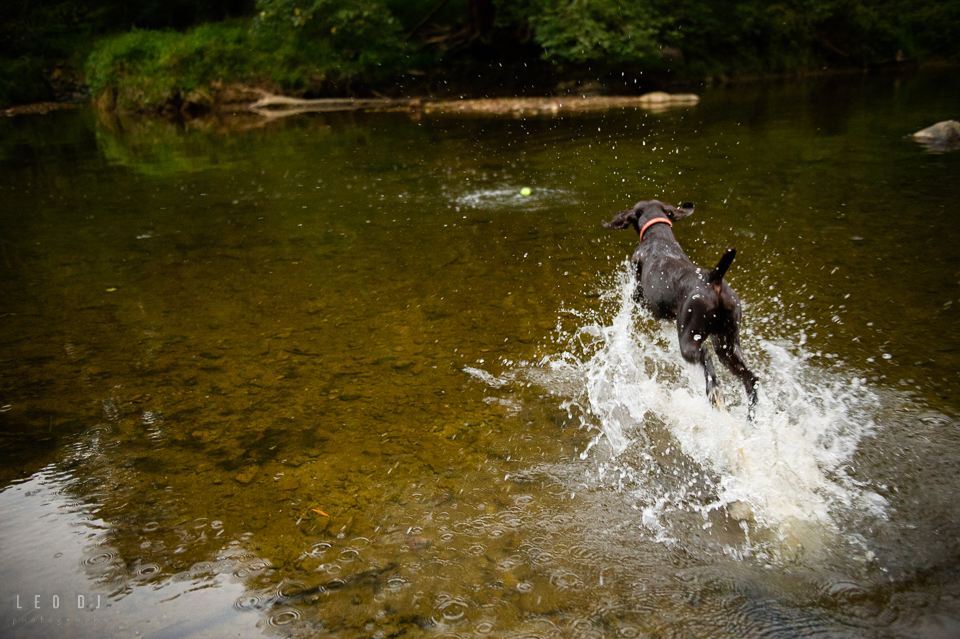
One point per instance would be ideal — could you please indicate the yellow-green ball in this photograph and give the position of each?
(525, 191)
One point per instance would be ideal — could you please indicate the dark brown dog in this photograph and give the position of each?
(673, 287)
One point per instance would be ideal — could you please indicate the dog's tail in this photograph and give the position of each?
(716, 275)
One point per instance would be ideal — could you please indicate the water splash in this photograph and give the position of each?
(658, 439)
(487, 378)
(510, 197)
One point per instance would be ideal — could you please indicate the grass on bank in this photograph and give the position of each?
(150, 69)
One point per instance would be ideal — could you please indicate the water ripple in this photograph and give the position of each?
(348, 555)
(334, 585)
(286, 589)
(484, 627)
(247, 602)
(451, 608)
(318, 549)
(566, 580)
(147, 570)
(284, 617)
(101, 558)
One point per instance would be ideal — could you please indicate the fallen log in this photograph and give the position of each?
(275, 106)
(280, 105)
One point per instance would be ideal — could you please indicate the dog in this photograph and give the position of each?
(673, 287)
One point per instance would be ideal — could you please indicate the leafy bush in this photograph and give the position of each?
(738, 36)
(607, 31)
(735, 36)
(348, 37)
(325, 43)
(150, 68)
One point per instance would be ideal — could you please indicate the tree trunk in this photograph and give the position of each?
(482, 15)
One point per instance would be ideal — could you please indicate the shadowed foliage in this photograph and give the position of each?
(151, 52)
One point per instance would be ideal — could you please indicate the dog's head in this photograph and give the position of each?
(641, 212)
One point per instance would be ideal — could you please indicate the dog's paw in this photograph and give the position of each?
(716, 398)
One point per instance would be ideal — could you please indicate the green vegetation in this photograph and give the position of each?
(151, 68)
(44, 44)
(352, 36)
(606, 32)
(165, 54)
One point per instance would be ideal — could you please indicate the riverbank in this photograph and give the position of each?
(567, 96)
(147, 60)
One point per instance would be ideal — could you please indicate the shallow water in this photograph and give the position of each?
(338, 375)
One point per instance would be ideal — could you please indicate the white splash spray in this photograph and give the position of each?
(788, 470)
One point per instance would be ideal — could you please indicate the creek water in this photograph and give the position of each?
(375, 375)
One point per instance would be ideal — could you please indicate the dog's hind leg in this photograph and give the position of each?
(728, 350)
(693, 347)
(713, 388)
(638, 272)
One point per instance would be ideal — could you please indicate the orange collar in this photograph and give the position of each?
(651, 223)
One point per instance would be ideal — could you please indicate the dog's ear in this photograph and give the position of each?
(623, 219)
(678, 214)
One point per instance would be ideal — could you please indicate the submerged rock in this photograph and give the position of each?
(288, 482)
(246, 475)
